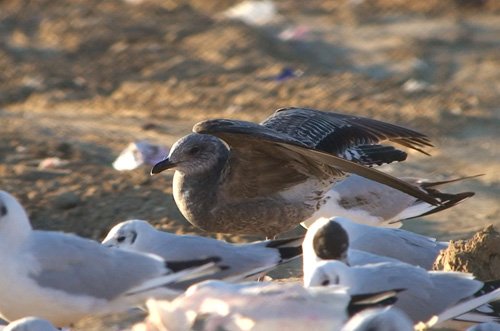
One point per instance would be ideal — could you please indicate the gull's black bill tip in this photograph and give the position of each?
(162, 166)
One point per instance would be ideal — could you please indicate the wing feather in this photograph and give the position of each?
(291, 155)
(335, 133)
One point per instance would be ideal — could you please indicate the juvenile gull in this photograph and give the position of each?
(368, 202)
(216, 305)
(238, 259)
(246, 178)
(63, 278)
(426, 293)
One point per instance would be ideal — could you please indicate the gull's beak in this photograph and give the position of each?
(161, 166)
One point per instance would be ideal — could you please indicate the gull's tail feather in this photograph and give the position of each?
(426, 184)
(288, 248)
(489, 312)
(447, 200)
(480, 308)
(185, 275)
(379, 299)
(177, 266)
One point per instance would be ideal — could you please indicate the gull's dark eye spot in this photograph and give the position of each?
(3, 210)
(325, 282)
(120, 239)
(193, 150)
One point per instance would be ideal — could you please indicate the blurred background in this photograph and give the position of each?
(80, 80)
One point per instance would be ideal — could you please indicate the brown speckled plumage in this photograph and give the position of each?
(247, 178)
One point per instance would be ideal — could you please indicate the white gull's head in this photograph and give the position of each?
(30, 324)
(14, 222)
(129, 233)
(379, 319)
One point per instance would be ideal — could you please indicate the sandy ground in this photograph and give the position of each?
(81, 80)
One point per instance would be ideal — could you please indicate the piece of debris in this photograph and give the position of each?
(300, 32)
(52, 163)
(252, 12)
(287, 73)
(139, 153)
(479, 255)
(414, 86)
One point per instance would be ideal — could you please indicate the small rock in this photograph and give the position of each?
(66, 200)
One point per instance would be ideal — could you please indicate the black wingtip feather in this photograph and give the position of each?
(447, 200)
(364, 301)
(287, 253)
(428, 184)
(177, 266)
(370, 155)
(277, 243)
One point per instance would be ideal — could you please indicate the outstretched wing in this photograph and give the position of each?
(342, 134)
(288, 159)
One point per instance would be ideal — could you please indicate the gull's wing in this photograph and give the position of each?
(399, 244)
(84, 267)
(341, 134)
(237, 260)
(283, 161)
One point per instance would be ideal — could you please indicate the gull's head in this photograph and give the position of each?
(326, 240)
(193, 153)
(14, 221)
(127, 234)
(30, 323)
(388, 318)
(327, 273)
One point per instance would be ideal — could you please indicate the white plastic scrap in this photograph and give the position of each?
(252, 12)
(139, 153)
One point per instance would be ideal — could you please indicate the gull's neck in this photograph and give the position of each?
(196, 193)
(15, 236)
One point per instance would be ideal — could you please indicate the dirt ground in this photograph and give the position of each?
(81, 79)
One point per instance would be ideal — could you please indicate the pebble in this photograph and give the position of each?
(66, 200)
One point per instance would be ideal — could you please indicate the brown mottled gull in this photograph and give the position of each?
(247, 178)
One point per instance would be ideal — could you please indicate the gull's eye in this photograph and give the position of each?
(3, 210)
(121, 239)
(193, 150)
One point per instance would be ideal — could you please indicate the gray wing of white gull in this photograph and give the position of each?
(488, 326)
(288, 160)
(388, 276)
(399, 244)
(351, 137)
(30, 324)
(337, 234)
(425, 293)
(237, 259)
(379, 319)
(274, 305)
(368, 202)
(80, 266)
(356, 257)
